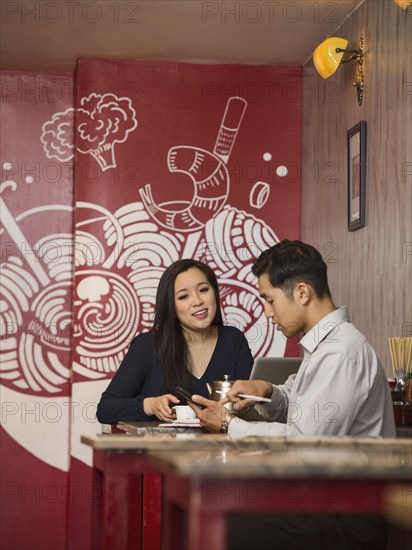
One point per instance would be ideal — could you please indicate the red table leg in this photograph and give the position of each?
(152, 511)
(127, 510)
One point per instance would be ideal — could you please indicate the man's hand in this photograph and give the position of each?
(260, 388)
(160, 406)
(211, 417)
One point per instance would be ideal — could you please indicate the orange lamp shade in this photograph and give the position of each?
(325, 57)
(403, 3)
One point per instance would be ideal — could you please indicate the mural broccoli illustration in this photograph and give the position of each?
(57, 136)
(101, 122)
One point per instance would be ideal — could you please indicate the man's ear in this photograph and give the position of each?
(303, 293)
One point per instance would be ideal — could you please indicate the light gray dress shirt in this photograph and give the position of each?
(339, 390)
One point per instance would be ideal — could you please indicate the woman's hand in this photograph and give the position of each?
(160, 406)
(211, 417)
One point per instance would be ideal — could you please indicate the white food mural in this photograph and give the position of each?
(118, 260)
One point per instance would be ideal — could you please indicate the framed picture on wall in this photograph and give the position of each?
(356, 176)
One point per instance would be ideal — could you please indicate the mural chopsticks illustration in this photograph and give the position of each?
(208, 172)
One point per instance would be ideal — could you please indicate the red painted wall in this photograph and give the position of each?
(170, 161)
(36, 197)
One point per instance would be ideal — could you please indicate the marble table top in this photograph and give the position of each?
(144, 428)
(147, 428)
(196, 453)
(199, 454)
(298, 458)
(172, 440)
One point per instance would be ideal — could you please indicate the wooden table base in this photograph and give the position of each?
(127, 514)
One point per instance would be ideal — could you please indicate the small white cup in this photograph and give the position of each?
(184, 412)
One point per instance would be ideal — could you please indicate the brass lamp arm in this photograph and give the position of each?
(357, 55)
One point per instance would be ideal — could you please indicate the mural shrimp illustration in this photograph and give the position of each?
(208, 173)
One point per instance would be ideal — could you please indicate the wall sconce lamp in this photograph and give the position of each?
(403, 3)
(328, 56)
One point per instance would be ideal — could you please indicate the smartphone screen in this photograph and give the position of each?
(181, 392)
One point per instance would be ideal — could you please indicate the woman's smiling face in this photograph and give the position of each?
(195, 301)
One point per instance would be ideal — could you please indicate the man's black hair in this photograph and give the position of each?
(291, 262)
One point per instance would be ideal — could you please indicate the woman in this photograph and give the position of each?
(188, 346)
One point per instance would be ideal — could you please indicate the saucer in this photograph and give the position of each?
(186, 423)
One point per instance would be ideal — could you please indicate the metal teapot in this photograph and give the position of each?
(219, 388)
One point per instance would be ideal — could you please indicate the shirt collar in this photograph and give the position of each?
(318, 332)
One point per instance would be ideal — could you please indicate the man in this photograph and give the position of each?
(340, 389)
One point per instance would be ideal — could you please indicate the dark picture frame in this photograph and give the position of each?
(356, 146)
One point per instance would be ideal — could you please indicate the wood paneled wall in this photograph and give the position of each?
(370, 270)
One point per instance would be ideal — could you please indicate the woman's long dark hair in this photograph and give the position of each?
(169, 342)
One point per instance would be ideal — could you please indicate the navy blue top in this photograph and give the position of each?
(139, 375)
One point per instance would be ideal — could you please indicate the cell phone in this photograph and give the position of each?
(181, 392)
